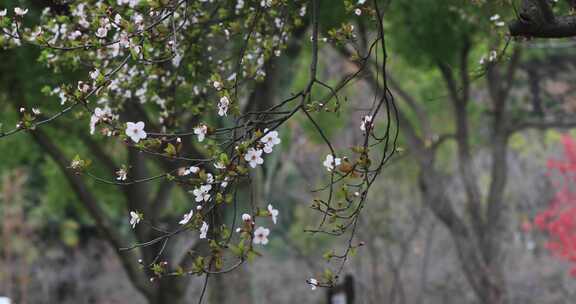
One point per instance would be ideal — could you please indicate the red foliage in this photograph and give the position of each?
(559, 219)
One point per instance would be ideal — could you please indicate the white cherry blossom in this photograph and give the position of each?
(20, 12)
(266, 3)
(330, 162)
(133, 3)
(201, 131)
(202, 193)
(209, 178)
(223, 106)
(187, 217)
(99, 115)
(101, 32)
(94, 74)
(224, 183)
(124, 40)
(176, 60)
(139, 21)
(493, 56)
(74, 35)
(270, 140)
(204, 230)
(246, 217)
(135, 131)
(117, 20)
(34, 35)
(366, 122)
(191, 170)
(482, 60)
(273, 213)
(261, 235)
(254, 157)
(239, 5)
(313, 283)
(135, 218)
(83, 87)
(121, 174)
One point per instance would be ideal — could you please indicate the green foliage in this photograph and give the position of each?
(322, 113)
(426, 32)
(332, 13)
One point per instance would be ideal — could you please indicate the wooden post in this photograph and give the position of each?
(343, 293)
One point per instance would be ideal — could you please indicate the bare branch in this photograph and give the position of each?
(90, 203)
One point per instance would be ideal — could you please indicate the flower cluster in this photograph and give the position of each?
(202, 192)
(253, 155)
(559, 219)
(270, 139)
(135, 218)
(166, 79)
(366, 123)
(101, 115)
(331, 162)
(492, 57)
(497, 21)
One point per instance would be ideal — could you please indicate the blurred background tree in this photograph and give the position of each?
(479, 114)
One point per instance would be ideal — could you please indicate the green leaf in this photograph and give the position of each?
(170, 150)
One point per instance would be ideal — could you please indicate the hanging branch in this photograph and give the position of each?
(142, 59)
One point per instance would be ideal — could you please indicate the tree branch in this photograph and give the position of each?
(414, 106)
(564, 26)
(103, 223)
(460, 106)
(537, 19)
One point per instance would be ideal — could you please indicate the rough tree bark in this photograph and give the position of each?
(537, 19)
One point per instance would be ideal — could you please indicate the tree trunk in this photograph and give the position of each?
(486, 278)
(480, 264)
